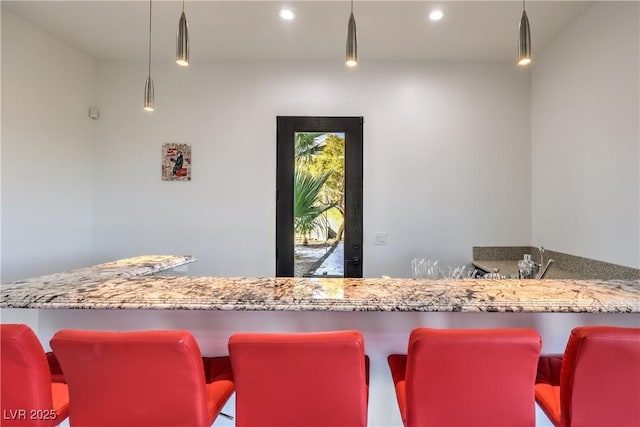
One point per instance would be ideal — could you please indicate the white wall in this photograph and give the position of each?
(446, 158)
(47, 153)
(447, 153)
(585, 137)
(0, 156)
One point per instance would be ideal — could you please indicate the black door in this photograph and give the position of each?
(319, 130)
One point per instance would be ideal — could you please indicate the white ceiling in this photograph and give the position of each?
(252, 30)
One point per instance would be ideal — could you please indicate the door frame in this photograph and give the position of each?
(352, 127)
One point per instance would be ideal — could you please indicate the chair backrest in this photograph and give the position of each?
(304, 379)
(600, 377)
(142, 378)
(25, 390)
(471, 377)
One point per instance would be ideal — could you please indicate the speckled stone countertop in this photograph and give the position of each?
(130, 267)
(565, 266)
(103, 291)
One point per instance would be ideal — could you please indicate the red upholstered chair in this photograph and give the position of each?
(143, 378)
(54, 366)
(27, 395)
(467, 377)
(305, 379)
(597, 380)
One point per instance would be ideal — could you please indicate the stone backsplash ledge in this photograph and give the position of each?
(584, 268)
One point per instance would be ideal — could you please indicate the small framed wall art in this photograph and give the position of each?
(176, 162)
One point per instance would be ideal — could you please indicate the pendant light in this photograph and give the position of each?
(182, 41)
(524, 47)
(352, 41)
(148, 87)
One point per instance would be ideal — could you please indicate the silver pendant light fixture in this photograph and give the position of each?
(352, 41)
(182, 41)
(148, 87)
(524, 46)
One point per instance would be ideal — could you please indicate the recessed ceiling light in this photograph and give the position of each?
(287, 14)
(436, 14)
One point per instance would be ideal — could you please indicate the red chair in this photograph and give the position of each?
(144, 378)
(467, 377)
(306, 379)
(597, 380)
(54, 366)
(27, 395)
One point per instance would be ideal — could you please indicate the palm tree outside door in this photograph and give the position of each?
(319, 197)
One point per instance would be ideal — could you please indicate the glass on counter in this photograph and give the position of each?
(425, 268)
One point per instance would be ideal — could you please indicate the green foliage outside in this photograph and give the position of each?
(318, 182)
(307, 202)
(307, 146)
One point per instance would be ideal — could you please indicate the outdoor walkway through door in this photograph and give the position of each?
(319, 197)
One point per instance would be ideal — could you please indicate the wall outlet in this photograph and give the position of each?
(380, 238)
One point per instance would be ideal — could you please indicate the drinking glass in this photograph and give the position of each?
(433, 269)
(459, 272)
(419, 267)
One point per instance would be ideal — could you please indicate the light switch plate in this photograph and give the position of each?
(380, 238)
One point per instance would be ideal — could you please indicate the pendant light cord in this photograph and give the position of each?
(351, 6)
(183, 5)
(522, 4)
(150, 2)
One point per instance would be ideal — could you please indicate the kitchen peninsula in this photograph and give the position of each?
(132, 284)
(128, 295)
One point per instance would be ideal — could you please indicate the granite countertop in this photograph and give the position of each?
(129, 267)
(120, 288)
(565, 266)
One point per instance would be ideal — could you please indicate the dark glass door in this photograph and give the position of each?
(319, 197)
